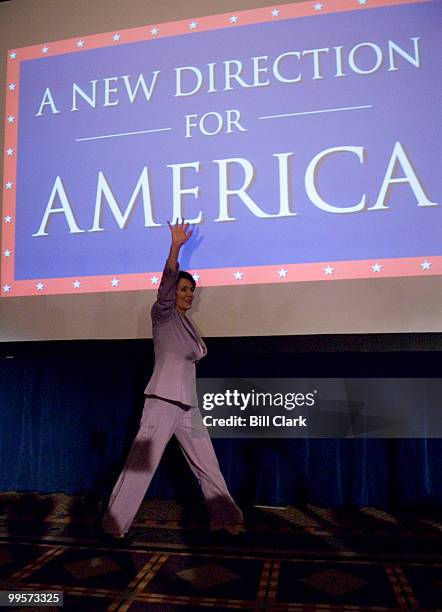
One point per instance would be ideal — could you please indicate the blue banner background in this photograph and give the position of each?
(405, 106)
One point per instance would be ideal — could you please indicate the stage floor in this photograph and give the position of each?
(289, 559)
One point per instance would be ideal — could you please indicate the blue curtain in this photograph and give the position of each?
(67, 421)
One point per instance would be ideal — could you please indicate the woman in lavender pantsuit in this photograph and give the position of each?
(171, 408)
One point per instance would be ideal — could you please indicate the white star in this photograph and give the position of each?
(39, 286)
(282, 273)
(238, 275)
(11, 86)
(8, 185)
(193, 25)
(426, 265)
(233, 19)
(116, 37)
(376, 267)
(11, 119)
(9, 152)
(115, 282)
(45, 49)
(80, 43)
(196, 277)
(7, 253)
(76, 284)
(362, 1)
(318, 6)
(6, 288)
(154, 31)
(328, 270)
(275, 13)
(13, 55)
(8, 219)
(154, 280)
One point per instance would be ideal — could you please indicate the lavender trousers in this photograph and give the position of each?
(160, 420)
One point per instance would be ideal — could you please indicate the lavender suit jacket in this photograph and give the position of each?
(178, 346)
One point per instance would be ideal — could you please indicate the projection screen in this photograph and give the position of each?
(300, 141)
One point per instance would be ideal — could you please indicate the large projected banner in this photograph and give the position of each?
(300, 141)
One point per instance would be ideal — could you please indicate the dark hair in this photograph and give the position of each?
(186, 276)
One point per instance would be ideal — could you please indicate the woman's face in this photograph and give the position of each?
(184, 295)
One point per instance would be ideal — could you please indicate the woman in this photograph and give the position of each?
(171, 408)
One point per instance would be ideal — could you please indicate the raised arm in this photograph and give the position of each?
(164, 307)
(180, 234)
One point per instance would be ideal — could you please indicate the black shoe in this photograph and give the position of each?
(225, 537)
(110, 539)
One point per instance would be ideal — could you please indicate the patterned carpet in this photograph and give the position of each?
(290, 559)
